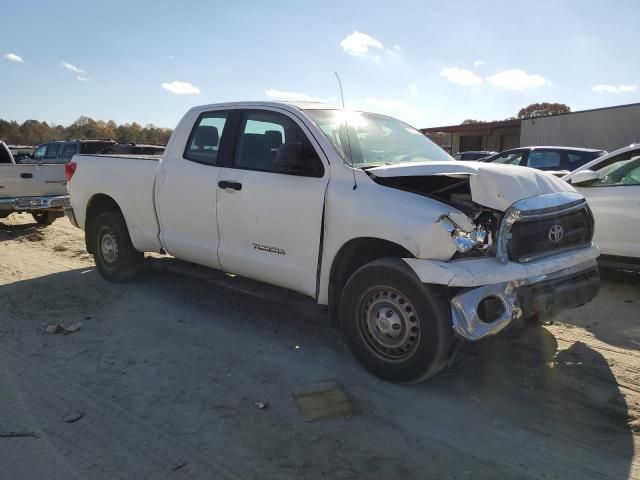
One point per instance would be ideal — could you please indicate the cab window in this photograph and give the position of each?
(204, 141)
(273, 142)
(52, 151)
(38, 155)
(544, 160)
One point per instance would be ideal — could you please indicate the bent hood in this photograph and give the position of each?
(492, 185)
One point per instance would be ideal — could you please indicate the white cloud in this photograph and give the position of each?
(296, 96)
(71, 67)
(516, 80)
(358, 44)
(478, 63)
(461, 76)
(180, 88)
(81, 78)
(12, 57)
(413, 90)
(602, 88)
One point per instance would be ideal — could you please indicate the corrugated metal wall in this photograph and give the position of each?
(608, 129)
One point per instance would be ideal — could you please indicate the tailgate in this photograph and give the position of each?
(30, 180)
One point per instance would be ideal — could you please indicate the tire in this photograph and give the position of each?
(115, 257)
(44, 218)
(415, 342)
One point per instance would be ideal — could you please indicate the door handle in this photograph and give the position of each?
(26, 175)
(230, 184)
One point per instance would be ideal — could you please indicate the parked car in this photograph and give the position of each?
(63, 151)
(611, 185)
(133, 149)
(473, 155)
(557, 160)
(409, 249)
(36, 189)
(21, 153)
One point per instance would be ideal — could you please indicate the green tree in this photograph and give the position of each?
(543, 109)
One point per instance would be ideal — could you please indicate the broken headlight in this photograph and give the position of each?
(477, 238)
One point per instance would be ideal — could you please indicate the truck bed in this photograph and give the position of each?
(129, 181)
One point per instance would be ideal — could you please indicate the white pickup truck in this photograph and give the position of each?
(410, 249)
(39, 189)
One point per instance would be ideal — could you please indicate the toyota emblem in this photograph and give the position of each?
(555, 233)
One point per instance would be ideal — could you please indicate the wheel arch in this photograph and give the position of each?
(97, 204)
(350, 257)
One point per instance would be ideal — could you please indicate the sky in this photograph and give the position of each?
(427, 63)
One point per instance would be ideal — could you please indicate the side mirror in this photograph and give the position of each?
(297, 158)
(584, 176)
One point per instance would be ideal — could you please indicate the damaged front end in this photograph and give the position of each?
(532, 256)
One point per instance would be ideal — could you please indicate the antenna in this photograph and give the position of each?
(341, 94)
(353, 170)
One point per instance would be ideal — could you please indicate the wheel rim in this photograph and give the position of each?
(388, 323)
(109, 247)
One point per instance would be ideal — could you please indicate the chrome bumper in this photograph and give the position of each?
(544, 295)
(49, 202)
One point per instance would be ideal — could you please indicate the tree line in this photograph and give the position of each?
(34, 132)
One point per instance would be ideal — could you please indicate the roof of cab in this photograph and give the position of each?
(283, 104)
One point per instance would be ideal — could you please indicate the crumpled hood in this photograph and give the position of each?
(492, 185)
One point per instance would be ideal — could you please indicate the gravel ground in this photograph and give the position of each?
(165, 377)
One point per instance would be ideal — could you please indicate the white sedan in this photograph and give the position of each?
(611, 185)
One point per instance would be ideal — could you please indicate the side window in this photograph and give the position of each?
(576, 159)
(513, 158)
(544, 160)
(458, 156)
(68, 151)
(52, 151)
(38, 155)
(204, 141)
(625, 171)
(4, 155)
(272, 142)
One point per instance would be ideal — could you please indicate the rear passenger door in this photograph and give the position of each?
(186, 189)
(270, 216)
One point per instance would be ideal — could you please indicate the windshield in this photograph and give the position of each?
(372, 140)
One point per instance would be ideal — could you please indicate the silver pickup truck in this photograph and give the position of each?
(37, 188)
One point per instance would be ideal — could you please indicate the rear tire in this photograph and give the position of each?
(396, 326)
(115, 257)
(44, 218)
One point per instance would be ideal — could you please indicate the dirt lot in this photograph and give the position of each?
(162, 379)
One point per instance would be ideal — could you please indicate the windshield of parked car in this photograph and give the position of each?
(368, 139)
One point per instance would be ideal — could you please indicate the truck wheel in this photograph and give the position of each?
(44, 218)
(396, 326)
(114, 255)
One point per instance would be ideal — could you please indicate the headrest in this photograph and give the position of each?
(273, 138)
(206, 136)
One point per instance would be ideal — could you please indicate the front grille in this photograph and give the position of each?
(536, 237)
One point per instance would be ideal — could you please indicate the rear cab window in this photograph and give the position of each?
(203, 145)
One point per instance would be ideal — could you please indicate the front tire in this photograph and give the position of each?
(115, 257)
(397, 327)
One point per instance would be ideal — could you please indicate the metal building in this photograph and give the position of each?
(603, 128)
(607, 128)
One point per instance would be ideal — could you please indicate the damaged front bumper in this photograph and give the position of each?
(490, 295)
(483, 311)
